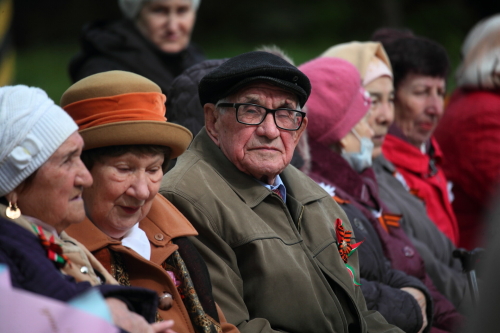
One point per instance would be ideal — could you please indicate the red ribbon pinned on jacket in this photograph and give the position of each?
(345, 247)
(54, 251)
(344, 240)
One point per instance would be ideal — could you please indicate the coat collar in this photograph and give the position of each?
(382, 163)
(163, 223)
(247, 187)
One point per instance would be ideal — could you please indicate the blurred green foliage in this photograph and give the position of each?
(46, 31)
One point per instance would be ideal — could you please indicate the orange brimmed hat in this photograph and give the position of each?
(122, 108)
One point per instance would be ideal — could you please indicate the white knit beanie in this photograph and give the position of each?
(32, 128)
(131, 8)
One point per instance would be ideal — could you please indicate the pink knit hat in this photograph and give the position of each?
(337, 102)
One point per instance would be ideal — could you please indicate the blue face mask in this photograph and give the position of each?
(363, 159)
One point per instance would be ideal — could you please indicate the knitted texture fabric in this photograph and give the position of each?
(337, 102)
(32, 128)
(245, 68)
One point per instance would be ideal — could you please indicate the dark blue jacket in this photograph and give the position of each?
(31, 270)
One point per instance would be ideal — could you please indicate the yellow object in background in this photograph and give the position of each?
(7, 54)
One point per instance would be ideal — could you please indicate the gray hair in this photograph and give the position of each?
(221, 109)
(274, 49)
(131, 8)
(480, 67)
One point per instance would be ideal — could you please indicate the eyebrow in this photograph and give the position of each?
(70, 154)
(252, 100)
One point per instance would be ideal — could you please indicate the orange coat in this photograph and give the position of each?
(163, 223)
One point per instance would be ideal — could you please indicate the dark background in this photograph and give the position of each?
(46, 32)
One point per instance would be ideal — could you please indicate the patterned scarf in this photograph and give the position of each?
(201, 321)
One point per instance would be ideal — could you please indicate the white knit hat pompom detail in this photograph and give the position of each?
(32, 128)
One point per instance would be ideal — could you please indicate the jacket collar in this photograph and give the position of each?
(247, 187)
(163, 223)
(382, 163)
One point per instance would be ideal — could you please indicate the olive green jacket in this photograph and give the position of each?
(274, 266)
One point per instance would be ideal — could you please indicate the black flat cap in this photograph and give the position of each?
(247, 67)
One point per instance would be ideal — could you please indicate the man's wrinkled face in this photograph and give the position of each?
(262, 151)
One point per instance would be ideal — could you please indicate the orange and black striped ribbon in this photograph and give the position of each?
(343, 240)
(340, 201)
(389, 220)
(416, 192)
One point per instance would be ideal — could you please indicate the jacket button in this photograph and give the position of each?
(165, 301)
(159, 237)
(408, 251)
(84, 270)
(359, 224)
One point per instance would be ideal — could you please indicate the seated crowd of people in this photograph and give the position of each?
(276, 198)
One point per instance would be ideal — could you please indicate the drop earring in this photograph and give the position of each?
(12, 212)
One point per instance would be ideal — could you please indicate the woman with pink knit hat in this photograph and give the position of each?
(392, 276)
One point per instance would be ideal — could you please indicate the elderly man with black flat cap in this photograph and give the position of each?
(277, 246)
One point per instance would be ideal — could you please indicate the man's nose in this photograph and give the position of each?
(268, 127)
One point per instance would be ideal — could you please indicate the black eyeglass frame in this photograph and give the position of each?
(273, 111)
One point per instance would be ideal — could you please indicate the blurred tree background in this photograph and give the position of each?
(45, 33)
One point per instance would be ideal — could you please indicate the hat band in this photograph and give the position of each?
(126, 107)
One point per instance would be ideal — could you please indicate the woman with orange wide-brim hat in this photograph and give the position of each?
(138, 235)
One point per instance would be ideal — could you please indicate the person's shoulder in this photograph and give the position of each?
(11, 232)
(301, 186)
(187, 175)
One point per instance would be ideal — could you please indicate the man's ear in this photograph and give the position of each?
(212, 117)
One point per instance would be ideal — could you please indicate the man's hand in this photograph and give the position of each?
(134, 323)
(420, 297)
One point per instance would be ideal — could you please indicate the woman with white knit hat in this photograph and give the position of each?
(41, 184)
(153, 40)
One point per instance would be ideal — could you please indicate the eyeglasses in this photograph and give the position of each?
(253, 114)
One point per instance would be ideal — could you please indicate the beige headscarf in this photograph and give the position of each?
(368, 57)
(480, 67)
